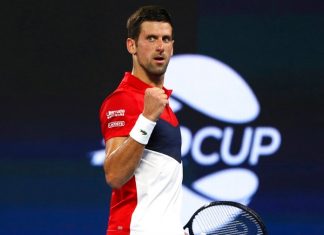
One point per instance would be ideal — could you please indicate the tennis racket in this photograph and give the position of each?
(225, 218)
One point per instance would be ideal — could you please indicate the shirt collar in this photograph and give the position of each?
(138, 84)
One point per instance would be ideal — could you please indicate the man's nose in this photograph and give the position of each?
(160, 45)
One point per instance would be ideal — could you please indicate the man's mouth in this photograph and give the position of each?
(159, 58)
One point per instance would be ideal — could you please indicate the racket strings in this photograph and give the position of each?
(225, 219)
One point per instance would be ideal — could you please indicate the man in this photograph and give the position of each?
(143, 142)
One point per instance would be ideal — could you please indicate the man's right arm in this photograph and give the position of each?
(123, 154)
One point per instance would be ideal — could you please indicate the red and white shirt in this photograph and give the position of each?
(150, 202)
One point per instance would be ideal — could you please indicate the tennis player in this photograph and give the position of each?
(142, 135)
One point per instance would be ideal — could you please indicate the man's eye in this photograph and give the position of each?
(166, 39)
(151, 39)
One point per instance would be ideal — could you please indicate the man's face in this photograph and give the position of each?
(154, 47)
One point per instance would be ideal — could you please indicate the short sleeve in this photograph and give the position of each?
(118, 114)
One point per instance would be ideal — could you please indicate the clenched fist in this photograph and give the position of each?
(155, 101)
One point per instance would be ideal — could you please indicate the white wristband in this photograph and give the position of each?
(142, 129)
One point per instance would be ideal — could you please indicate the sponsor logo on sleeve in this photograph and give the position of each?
(115, 113)
(116, 124)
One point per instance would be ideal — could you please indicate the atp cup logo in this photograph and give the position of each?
(220, 146)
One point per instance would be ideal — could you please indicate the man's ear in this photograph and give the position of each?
(131, 46)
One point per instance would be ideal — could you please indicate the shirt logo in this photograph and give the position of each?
(116, 124)
(115, 113)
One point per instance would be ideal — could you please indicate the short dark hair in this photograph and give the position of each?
(146, 13)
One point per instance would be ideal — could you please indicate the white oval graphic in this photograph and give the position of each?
(235, 184)
(212, 88)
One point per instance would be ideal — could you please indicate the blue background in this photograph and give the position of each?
(60, 59)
